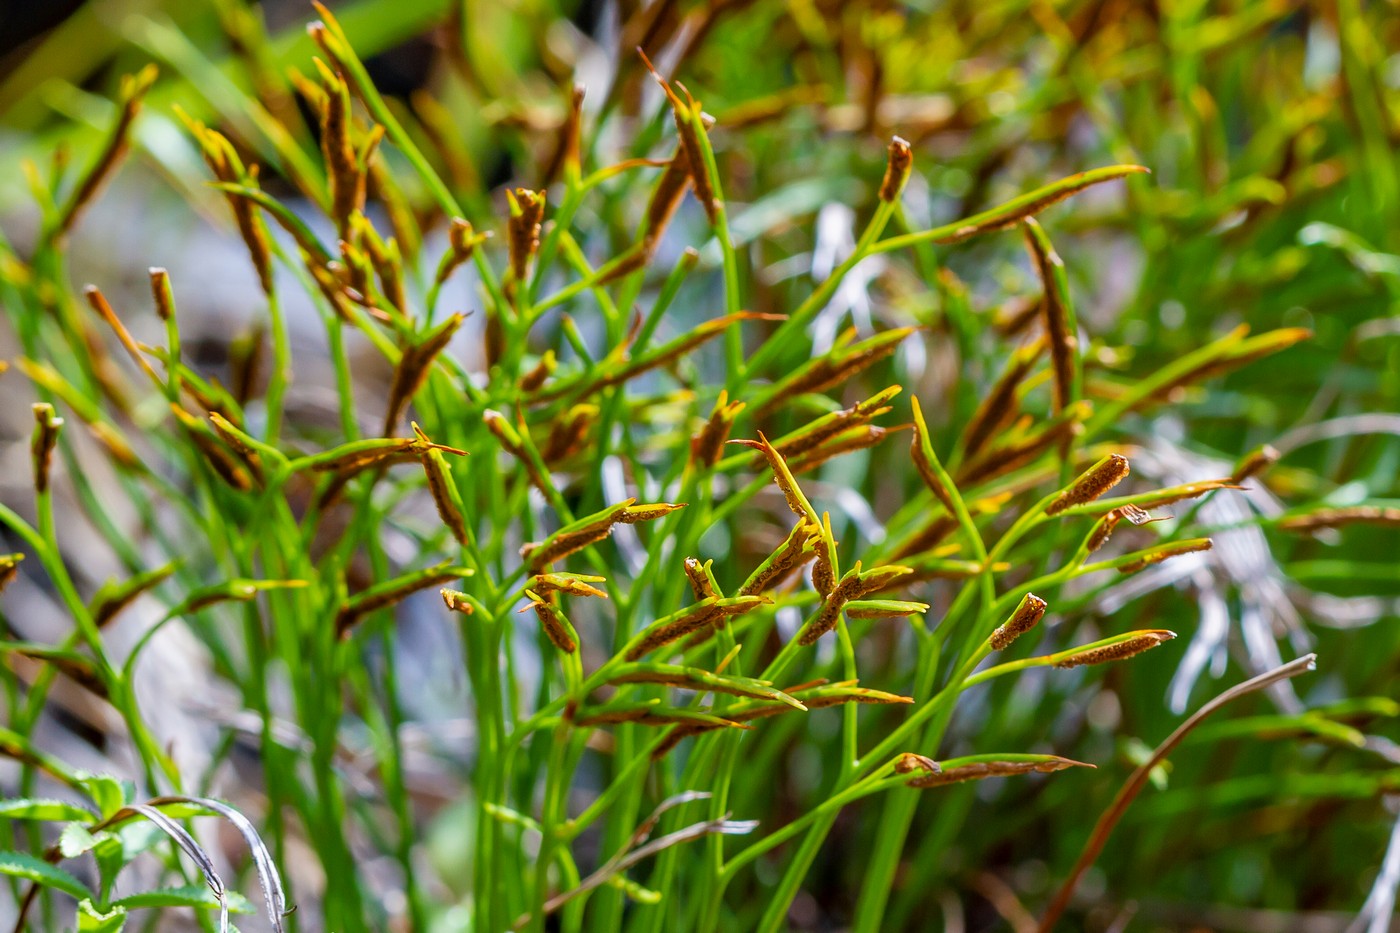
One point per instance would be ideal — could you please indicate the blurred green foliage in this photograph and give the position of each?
(1270, 129)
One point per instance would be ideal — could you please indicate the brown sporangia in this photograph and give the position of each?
(574, 584)
(443, 490)
(705, 447)
(132, 94)
(690, 124)
(1135, 644)
(1025, 617)
(824, 570)
(976, 771)
(556, 627)
(347, 185)
(9, 569)
(47, 424)
(854, 585)
(569, 432)
(526, 215)
(782, 476)
(1012, 454)
(578, 535)
(710, 611)
(536, 375)
(462, 242)
(799, 547)
(1091, 484)
(702, 580)
(1164, 552)
(457, 601)
(382, 595)
(897, 168)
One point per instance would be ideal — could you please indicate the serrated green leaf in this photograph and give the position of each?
(75, 840)
(111, 858)
(26, 866)
(36, 808)
(91, 920)
(107, 792)
(137, 838)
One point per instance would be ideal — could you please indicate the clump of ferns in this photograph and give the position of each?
(487, 448)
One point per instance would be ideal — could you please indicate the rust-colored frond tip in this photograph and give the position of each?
(526, 215)
(1166, 551)
(539, 373)
(1092, 483)
(575, 584)
(46, 428)
(797, 549)
(1103, 529)
(456, 601)
(909, 762)
(901, 160)
(691, 122)
(646, 512)
(705, 447)
(1027, 615)
(1118, 651)
(9, 569)
(1254, 463)
(782, 476)
(462, 243)
(847, 691)
(701, 582)
(976, 771)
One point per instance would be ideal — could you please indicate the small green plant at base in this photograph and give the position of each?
(113, 833)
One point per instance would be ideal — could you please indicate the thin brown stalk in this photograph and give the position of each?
(99, 303)
(1138, 780)
(133, 92)
(1346, 515)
